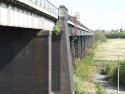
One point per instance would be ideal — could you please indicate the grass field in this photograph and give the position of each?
(110, 50)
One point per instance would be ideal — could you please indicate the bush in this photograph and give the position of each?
(100, 89)
(57, 27)
(109, 69)
(115, 34)
(100, 36)
(121, 75)
(114, 77)
(122, 35)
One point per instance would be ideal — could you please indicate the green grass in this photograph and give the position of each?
(105, 66)
(84, 72)
(100, 89)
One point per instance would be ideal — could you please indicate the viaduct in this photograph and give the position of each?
(32, 59)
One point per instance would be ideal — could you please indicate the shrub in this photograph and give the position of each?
(121, 75)
(57, 27)
(100, 89)
(109, 69)
(114, 77)
(100, 36)
(122, 35)
(115, 34)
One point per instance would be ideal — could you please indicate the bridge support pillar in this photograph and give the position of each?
(25, 61)
(66, 71)
(48, 34)
(50, 63)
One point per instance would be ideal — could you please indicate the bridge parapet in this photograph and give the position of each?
(81, 29)
(35, 14)
(26, 14)
(46, 5)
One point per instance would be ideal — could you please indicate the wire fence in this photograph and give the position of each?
(109, 57)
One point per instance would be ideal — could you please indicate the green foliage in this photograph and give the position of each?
(95, 44)
(87, 60)
(100, 89)
(57, 27)
(84, 67)
(114, 77)
(105, 67)
(84, 71)
(115, 34)
(100, 36)
(109, 69)
(121, 34)
(78, 85)
(121, 74)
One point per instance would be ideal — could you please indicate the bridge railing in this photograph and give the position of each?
(78, 23)
(46, 5)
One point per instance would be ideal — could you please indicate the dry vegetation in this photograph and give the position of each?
(110, 50)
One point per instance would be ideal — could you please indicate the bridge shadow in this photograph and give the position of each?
(12, 41)
(23, 61)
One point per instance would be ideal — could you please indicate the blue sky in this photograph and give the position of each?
(97, 14)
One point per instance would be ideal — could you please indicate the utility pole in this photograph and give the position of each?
(118, 74)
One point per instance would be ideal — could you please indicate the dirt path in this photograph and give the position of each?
(110, 89)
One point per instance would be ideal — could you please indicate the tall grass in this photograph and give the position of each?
(78, 85)
(83, 72)
(84, 69)
(100, 89)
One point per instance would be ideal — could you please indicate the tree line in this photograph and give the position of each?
(110, 34)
